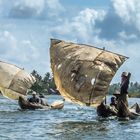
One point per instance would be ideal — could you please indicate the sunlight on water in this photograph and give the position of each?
(73, 122)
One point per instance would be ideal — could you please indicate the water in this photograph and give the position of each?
(73, 122)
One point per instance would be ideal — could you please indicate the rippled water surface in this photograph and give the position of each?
(73, 122)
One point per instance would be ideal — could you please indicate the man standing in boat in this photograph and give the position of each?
(125, 77)
(122, 101)
(113, 102)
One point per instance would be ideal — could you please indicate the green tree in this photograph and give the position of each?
(113, 88)
(38, 84)
(43, 84)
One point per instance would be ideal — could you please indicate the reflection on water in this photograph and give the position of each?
(73, 122)
(80, 129)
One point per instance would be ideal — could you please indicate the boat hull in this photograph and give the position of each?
(24, 104)
(123, 112)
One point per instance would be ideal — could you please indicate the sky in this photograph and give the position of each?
(26, 27)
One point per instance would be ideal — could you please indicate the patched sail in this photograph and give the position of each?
(82, 73)
(14, 81)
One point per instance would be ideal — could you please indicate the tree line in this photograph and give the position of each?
(134, 89)
(45, 85)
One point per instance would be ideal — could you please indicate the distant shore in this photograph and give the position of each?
(134, 95)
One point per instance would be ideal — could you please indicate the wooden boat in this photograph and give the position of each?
(106, 110)
(82, 74)
(14, 84)
(131, 112)
(24, 104)
(135, 108)
(123, 113)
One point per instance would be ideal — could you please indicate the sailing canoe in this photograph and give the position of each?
(14, 84)
(82, 73)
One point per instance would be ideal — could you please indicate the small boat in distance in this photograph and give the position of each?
(24, 104)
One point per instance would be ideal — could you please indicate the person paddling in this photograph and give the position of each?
(34, 98)
(113, 102)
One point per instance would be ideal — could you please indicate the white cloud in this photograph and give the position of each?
(7, 42)
(38, 5)
(55, 6)
(124, 36)
(31, 8)
(128, 11)
(90, 16)
(82, 26)
(11, 48)
(10, 39)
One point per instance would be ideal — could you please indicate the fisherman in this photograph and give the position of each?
(116, 94)
(125, 77)
(34, 98)
(113, 102)
(122, 101)
(104, 110)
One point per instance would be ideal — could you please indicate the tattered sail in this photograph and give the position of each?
(82, 73)
(14, 81)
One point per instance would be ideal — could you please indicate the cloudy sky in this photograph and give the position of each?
(26, 27)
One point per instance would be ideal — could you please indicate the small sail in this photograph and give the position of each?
(82, 73)
(14, 81)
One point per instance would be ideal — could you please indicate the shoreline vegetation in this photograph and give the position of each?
(133, 91)
(45, 85)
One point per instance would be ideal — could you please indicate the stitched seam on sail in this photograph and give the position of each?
(95, 79)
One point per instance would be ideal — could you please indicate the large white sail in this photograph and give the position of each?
(82, 73)
(14, 81)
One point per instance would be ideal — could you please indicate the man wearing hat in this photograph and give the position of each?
(34, 98)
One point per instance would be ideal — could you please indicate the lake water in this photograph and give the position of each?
(73, 122)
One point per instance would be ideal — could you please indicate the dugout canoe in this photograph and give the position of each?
(24, 104)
